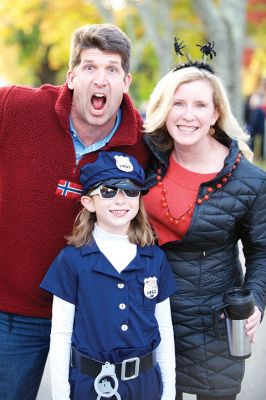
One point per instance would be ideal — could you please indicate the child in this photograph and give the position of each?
(112, 334)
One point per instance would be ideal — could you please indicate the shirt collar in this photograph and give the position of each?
(100, 143)
(93, 248)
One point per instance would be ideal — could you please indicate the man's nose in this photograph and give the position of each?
(100, 78)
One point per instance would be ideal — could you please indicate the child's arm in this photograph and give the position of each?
(165, 352)
(62, 326)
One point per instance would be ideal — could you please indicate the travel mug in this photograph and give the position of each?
(238, 306)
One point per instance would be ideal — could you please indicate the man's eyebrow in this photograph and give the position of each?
(88, 60)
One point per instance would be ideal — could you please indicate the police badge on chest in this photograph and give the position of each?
(150, 287)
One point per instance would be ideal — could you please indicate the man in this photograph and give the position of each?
(46, 135)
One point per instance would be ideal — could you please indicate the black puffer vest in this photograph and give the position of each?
(206, 263)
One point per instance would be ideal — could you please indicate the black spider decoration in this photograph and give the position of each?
(207, 50)
(178, 46)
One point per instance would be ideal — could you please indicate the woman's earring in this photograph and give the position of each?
(212, 130)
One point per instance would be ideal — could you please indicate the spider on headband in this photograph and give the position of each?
(206, 49)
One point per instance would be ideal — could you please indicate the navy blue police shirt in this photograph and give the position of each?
(114, 319)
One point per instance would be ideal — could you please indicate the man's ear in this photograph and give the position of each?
(70, 77)
(87, 202)
(128, 79)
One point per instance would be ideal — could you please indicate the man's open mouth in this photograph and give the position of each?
(98, 101)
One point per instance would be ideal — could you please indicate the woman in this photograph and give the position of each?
(205, 196)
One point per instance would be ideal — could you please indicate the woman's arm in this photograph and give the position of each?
(62, 326)
(253, 237)
(252, 228)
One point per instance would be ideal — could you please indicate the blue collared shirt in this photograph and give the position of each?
(79, 147)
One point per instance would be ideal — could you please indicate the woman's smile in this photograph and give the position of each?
(187, 128)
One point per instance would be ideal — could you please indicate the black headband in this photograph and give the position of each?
(206, 49)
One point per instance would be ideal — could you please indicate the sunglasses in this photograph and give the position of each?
(106, 192)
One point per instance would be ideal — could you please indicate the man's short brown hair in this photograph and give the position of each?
(105, 37)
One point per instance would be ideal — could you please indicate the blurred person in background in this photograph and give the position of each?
(47, 134)
(255, 122)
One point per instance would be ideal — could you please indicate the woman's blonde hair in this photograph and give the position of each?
(139, 232)
(161, 100)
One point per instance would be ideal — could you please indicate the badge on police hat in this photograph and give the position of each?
(150, 287)
(123, 163)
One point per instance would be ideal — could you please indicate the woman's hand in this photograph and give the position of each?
(252, 324)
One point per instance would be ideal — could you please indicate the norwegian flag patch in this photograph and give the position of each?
(68, 189)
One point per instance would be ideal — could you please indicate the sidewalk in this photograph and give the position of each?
(254, 383)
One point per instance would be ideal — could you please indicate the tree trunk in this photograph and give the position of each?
(225, 25)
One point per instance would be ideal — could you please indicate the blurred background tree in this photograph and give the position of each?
(254, 61)
(35, 37)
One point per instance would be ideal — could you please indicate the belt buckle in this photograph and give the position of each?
(124, 365)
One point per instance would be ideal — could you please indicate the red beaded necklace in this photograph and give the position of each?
(199, 201)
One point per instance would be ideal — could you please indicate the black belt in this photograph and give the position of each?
(128, 369)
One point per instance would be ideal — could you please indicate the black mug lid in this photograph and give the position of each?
(240, 303)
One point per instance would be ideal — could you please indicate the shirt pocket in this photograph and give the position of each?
(140, 299)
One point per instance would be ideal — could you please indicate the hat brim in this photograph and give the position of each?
(123, 183)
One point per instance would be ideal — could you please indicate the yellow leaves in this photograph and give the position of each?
(56, 29)
(39, 31)
(253, 73)
(20, 14)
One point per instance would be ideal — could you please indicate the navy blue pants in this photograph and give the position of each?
(147, 386)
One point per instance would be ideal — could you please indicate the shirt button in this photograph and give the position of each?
(122, 306)
(124, 327)
(120, 285)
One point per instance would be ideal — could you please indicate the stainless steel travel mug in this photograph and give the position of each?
(240, 305)
(237, 307)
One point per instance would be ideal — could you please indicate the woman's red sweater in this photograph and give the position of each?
(182, 188)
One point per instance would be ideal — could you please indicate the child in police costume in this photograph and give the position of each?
(112, 334)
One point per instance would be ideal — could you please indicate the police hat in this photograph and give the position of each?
(113, 169)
